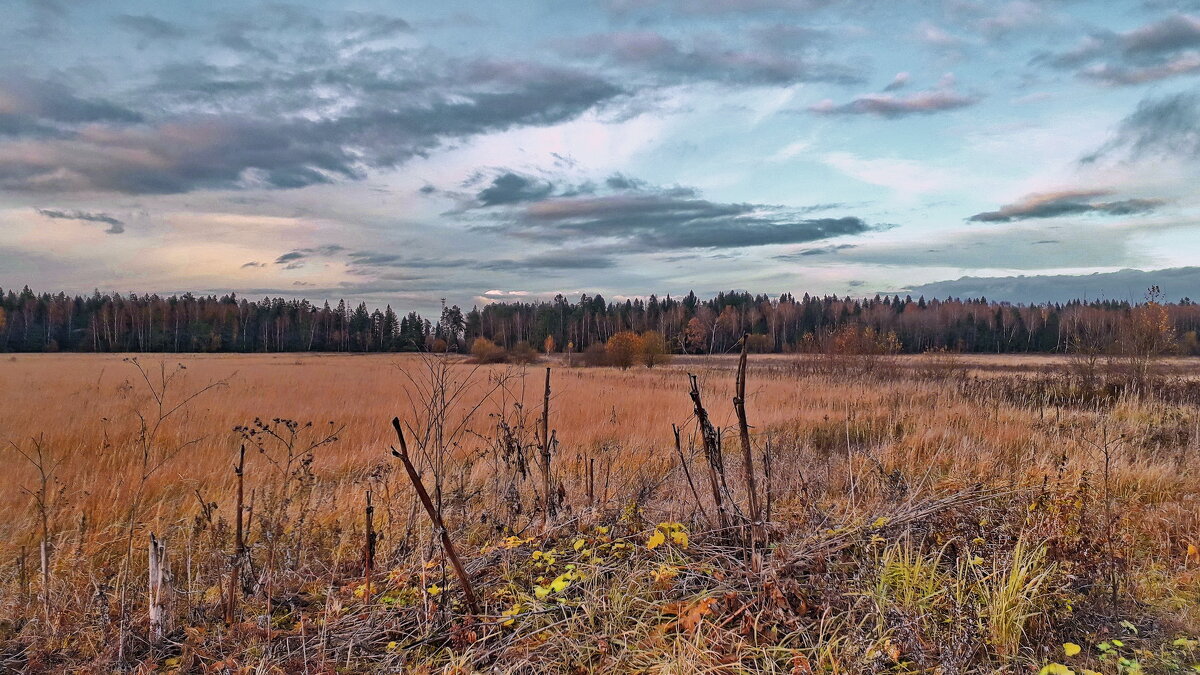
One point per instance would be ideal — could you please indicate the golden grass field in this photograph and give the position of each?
(921, 520)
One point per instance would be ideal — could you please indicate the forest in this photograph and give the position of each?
(45, 322)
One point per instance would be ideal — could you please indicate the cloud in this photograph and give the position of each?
(295, 259)
(900, 81)
(663, 222)
(1066, 203)
(933, 35)
(566, 259)
(1124, 285)
(1156, 51)
(647, 52)
(253, 263)
(622, 7)
(149, 27)
(887, 105)
(1013, 247)
(30, 107)
(1159, 127)
(380, 123)
(512, 188)
(115, 226)
(809, 252)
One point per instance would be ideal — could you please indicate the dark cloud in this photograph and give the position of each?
(622, 7)
(1155, 51)
(232, 150)
(651, 53)
(1159, 127)
(1066, 203)
(1127, 285)
(149, 27)
(369, 263)
(661, 222)
(295, 259)
(253, 263)
(891, 105)
(554, 260)
(115, 226)
(512, 188)
(808, 252)
(41, 108)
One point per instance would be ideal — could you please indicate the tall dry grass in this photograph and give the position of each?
(856, 458)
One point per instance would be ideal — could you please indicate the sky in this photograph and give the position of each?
(405, 153)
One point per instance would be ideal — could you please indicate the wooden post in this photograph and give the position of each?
(739, 406)
(434, 517)
(712, 451)
(591, 481)
(45, 554)
(239, 544)
(369, 549)
(547, 442)
(159, 589)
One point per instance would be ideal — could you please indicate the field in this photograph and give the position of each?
(916, 514)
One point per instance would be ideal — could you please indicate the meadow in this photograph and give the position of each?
(929, 513)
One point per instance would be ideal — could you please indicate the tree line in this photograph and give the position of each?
(32, 322)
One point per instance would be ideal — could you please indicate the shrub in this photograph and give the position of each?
(595, 355)
(758, 343)
(623, 349)
(523, 352)
(654, 349)
(486, 351)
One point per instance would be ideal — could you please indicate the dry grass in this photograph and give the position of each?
(917, 520)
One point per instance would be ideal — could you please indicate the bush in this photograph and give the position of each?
(486, 351)
(523, 352)
(595, 355)
(623, 349)
(758, 343)
(654, 349)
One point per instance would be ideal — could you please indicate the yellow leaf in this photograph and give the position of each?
(434, 590)
(680, 538)
(391, 646)
(561, 583)
(1055, 669)
(511, 611)
(578, 544)
(880, 522)
(1071, 649)
(655, 539)
(541, 592)
(1193, 553)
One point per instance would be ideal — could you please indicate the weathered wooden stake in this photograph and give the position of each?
(712, 451)
(239, 543)
(160, 589)
(45, 554)
(434, 517)
(369, 549)
(591, 481)
(739, 406)
(547, 448)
